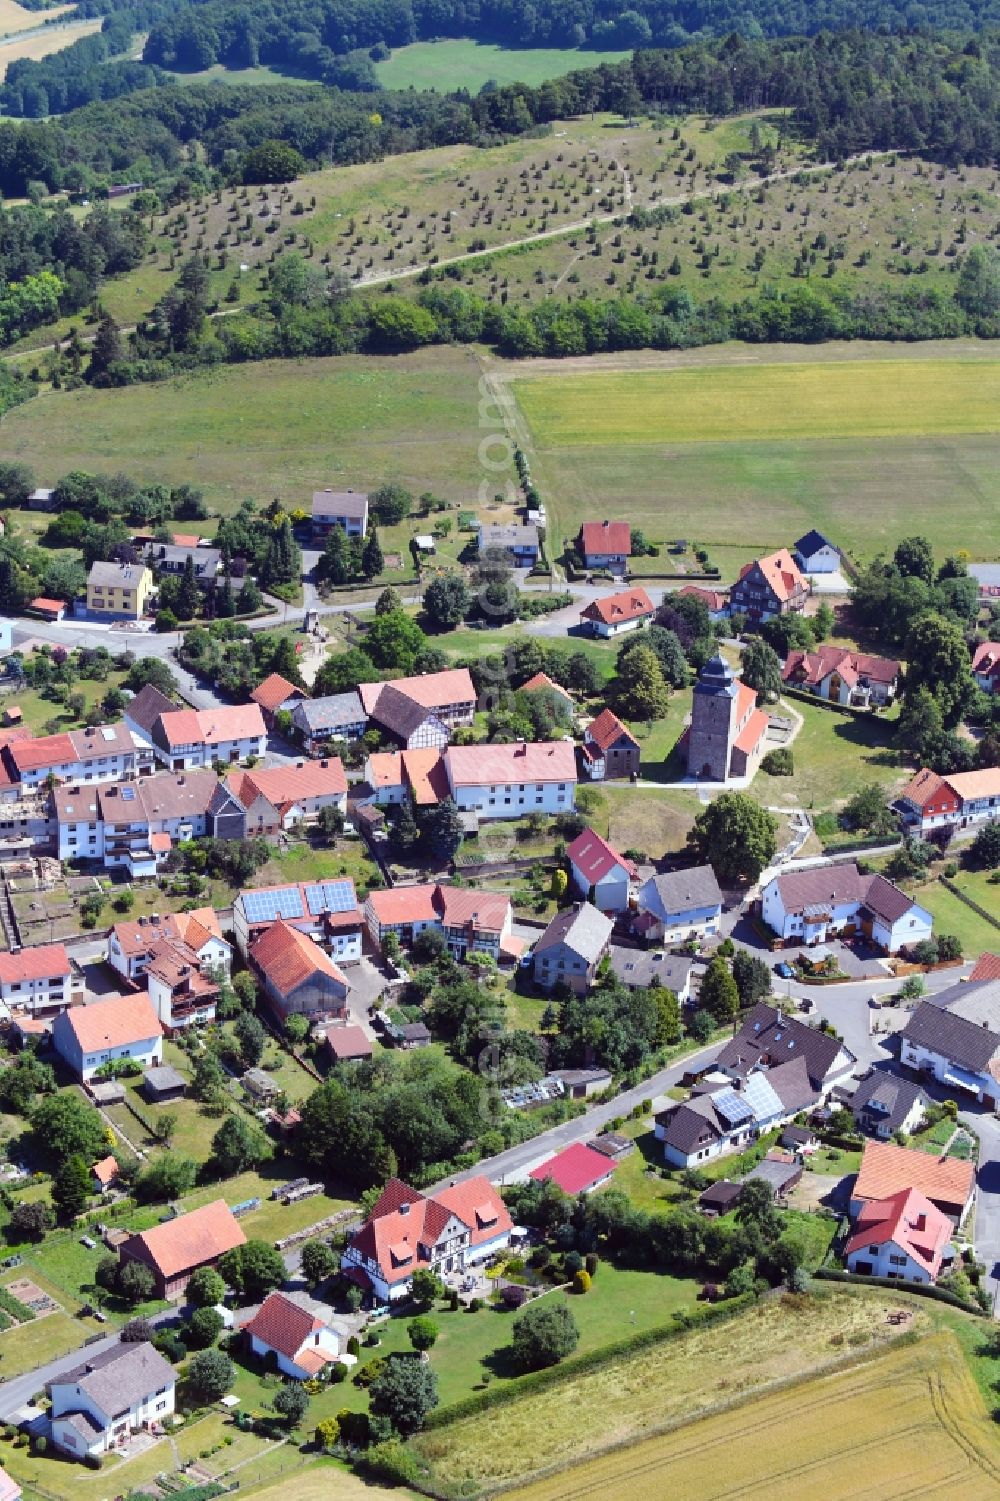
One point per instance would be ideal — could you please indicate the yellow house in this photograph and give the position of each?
(119, 589)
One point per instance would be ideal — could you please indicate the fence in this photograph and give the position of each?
(331, 1221)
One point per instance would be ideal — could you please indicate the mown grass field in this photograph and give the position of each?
(460, 64)
(42, 42)
(951, 915)
(909, 1423)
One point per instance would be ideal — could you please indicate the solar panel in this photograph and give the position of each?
(732, 1107)
(128, 794)
(271, 902)
(330, 896)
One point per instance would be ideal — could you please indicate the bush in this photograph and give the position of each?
(94, 1461)
(475, 1304)
(779, 763)
(591, 1262)
(581, 1282)
(41, 1444)
(391, 1463)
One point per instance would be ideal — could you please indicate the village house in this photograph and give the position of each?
(118, 591)
(883, 1104)
(540, 682)
(903, 1236)
(318, 721)
(716, 601)
(406, 720)
(735, 1114)
(276, 694)
(606, 545)
(132, 824)
(297, 977)
(767, 1038)
(300, 1343)
(344, 508)
(768, 587)
(640, 969)
(182, 991)
(267, 800)
(125, 1026)
(727, 736)
(420, 775)
(610, 752)
(842, 676)
(615, 614)
(472, 921)
(40, 980)
(130, 944)
(141, 713)
(171, 558)
(190, 738)
(572, 947)
(814, 553)
(327, 911)
(101, 753)
(600, 873)
(508, 781)
(679, 906)
(446, 1232)
(986, 666)
(812, 906)
(954, 1038)
(449, 694)
(956, 801)
(886, 1170)
(519, 540)
(97, 1406)
(105, 1173)
(176, 1248)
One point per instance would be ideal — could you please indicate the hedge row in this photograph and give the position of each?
(950, 886)
(15, 1307)
(923, 1290)
(568, 1369)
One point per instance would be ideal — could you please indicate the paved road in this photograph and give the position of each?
(19, 1390)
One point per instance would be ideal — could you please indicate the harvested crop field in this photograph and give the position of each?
(909, 1424)
(634, 1396)
(46, 40)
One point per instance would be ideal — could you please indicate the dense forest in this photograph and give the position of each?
(850, 92)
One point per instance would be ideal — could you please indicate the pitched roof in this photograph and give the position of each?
(542, 680)
(334, 711)
(987, 967)
(908, 1220)
(195, 928)
(813, 541)
(926, 787)
(780, 571)
(886, 1097)
(478, 1205)
(105, 1171)
(120, 1377)
(177, 964)
(531, 761)
(455, 906)
(403, 1220)
(962, 1041)
(114, 1023)
(825, 884)
(45, 962)
(677, 891)
(985, 662)
(620, 608)
(283, 1325)
(600, 537)
(715, 599)
(209, 726)
(606, 729)
(583, 930)
(575, 1169)
(274, 691)
(289, 958)
(968, 785)
(691, 1124)
(116, 575)
(813, 667)
(594, 857)
(46, 750)
(885, 900)
(791, 1083)
(170, 794)
(767, 1038)
(399, 712)
(886, 1168)
(191, 1239)
(147, 706)
(284, 786)
(348, 1042)
(432, 690)
(340, 503)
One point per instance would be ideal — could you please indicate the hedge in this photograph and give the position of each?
(539, 1380)
(950, 886)
(923, 1290)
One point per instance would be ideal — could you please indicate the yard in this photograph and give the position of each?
(951, 915)
(834, 755)
(38, 710)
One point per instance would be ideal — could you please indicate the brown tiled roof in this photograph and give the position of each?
(886, 900)
(289, 958)
(399, 712)
(607, 728)
(768, 1038)
(282, 1325)
(191, 1239)
(147, 706)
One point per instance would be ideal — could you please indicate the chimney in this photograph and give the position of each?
(154, 918)
(299, 765)
(325, 765)
(142, 922)
(404, 1208)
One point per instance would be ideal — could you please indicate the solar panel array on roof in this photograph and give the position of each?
(272, 902)
(761, 1097)
(128, 794)
(330, 896)
(732, 1107)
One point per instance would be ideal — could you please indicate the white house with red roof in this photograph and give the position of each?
(131, 944)
(472, 920)
(843, 676)
(327, 911)
(606, 544)
(445, 1233)
(198, 737)
(508, 781)
(715, 601)
(614, 614)
(125, 1026)
(770, 586)
(986, 666)
(959, 800)
(904, 1237)
(302, 1344)
(39, 980)
(99, 753)
(269, 799)
(600, 873)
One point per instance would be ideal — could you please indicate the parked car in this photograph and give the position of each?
(784, 969)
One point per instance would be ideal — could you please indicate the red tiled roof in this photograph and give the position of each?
(574, 1170)
(752, 732)
(812, 667)
(618, 609)
(986, 661)
(600, 537)
(105, 1171)
(282, 1325)
(49, 750)
(273, 692)
(486, 911)
(212, 726)
(987, 967)
(594, 857)
(45, 962)
(404, 904)
(926, 787)
(425, 775)
(43, 606)
(910, 1221)
(194, 928)
(478, 1205)
(545, 761)
(542, 680)
(393, 1232)
(431, 690)
(191, 1239)
(713, 598)
(886, 1168)
(288, 958)
(607, 728)
(114, 1023)
(781, 572)
(283, 786)
(159, 843)
(968, 785)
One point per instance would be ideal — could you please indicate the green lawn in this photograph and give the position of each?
(834, 1162)
(951, 915)
(471, 643)
(634, 1174)
(37, 710)
(459, 64)
(834, 755)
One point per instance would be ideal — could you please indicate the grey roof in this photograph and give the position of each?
(495, 534)
(206, 560)
(147, 706)
(575, 1076)
(895, 1096)
(334, 712)
(717, 678)
(791, 1083)
(120, 1377)
(796, 1136)
(693, 1124)
(84, 1425)
(812, 542)
(769, 1038)
(942, 1031)
(640, 967)
(340, 503)
(164, 1077)
(400, 714)
(415, 1032)
(977, 1002)
(721, 1196)
(681, 891)
(117, 575)
(777, 1175)
(581, 928)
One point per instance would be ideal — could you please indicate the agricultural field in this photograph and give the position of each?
(41, 40)
(854, 1434)
(778, 1341)
(459, 64)
(916, 452)
(14, 17)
